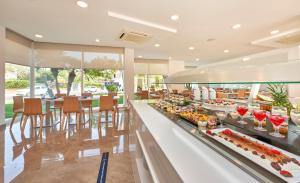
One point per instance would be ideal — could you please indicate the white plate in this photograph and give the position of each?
(265, 163)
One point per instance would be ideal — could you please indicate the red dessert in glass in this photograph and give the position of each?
(276, 120)
(242, 110)
(260, 115)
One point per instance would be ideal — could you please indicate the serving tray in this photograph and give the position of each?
(256, 157)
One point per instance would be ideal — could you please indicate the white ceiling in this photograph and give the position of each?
(63, 21)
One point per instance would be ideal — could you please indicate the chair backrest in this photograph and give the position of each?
(85, 103)
(112, 94)
(86, 94)
(106, 103)
(32, 106)
(71, 104)
(59, 103)
(144, 94)
(60, 95)
(18, 103)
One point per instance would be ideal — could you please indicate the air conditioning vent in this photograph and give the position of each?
(136, 37)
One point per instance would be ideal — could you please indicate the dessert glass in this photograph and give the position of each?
(276, 120)
(259, 115)
(242, 110)
(221, 116)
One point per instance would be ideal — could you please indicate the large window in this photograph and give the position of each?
(16, 83)
(147, 82)
(60, 68)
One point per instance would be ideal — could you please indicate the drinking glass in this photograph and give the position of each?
(221, 116)
(276, 120)
(259, 115)
(242, 110)
(295, 115)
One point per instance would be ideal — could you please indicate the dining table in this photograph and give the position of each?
(49, 101)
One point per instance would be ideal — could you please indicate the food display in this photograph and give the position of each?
(194, 117)
(281, 163)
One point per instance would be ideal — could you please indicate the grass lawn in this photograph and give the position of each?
(8, 110)
(9, 107)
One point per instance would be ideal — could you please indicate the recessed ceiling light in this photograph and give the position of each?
(97, 40)
(139, 21)
(82, 4)
(236, 26)
(174, 17)
(210, 39)
(226, 51)
(38, 36)
(197, 59)
(157, 45)
(191, 48)
(140, 56)
(274, 32)
(246, 59)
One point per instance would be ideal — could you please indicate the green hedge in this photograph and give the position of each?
(12, 84)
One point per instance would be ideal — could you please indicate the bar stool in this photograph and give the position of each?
(58, 105)
(18, 108)
(87, 104)
(106, 105)
(33, 109)
(71, 105)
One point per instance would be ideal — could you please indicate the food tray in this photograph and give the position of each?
(257, 158)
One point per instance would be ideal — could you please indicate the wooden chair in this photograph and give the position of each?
(71, 105)
(113, 94)
(18, 108)
(33, 109)
(144, 94)
(58, 105)
(106, 104)
(87, 104)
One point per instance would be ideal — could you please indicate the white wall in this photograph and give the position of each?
(175, 66)
(2, 75)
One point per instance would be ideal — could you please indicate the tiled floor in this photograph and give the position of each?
(65, 156)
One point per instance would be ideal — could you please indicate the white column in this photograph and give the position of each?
(129, 72)
(32, 70)
(81, 73)
(2, 75)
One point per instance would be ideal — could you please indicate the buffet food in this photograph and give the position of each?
(194, 117)
(281, 163)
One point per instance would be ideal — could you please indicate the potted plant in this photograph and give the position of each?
(112, 88)
(280, 97)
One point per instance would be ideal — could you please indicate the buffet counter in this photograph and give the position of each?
(186, 155)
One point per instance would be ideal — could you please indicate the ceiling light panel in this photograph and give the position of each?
(82, 4)
(139, 21)
(236, 26)
(174, 17)
(38, 36)
(274, 32)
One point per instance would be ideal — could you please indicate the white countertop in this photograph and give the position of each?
(193, 160)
